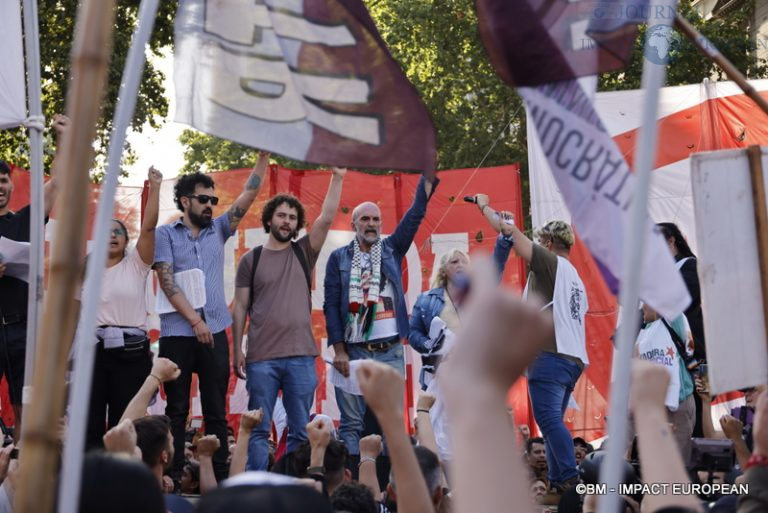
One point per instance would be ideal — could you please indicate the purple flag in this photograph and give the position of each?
(308, 79)
(533, 42)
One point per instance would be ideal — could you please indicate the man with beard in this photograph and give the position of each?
(14, 292)
(195, 336)
(365, 312)
(273, 286)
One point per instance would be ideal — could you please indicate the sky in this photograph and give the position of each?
(160, 148)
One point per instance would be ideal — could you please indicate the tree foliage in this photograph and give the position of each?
(56, 26)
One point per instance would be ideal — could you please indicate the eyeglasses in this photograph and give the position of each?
(117, 232)
(204, 198)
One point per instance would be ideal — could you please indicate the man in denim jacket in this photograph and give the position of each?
(365, 312)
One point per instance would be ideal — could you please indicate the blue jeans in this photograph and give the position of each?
(352, 407)
(297, 378)
(551, 379)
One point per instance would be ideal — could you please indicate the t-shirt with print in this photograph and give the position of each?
(385, 321)
(280, 320)
(541, 281)
(124, 293)
(13, 291)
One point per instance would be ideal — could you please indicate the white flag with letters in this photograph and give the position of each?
(13, 101)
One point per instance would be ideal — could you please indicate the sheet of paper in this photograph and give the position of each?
(192, 284)
(15, 256)
(350, 384)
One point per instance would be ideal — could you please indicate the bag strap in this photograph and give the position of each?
(679, 345)
(304, 264)
(256, 255)
(299, 256)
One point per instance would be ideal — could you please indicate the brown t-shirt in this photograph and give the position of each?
(280, 320)
(542, 281)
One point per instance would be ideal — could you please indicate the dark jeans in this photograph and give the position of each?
(212, 367)
(551, 379)
(13, 350)
(115, 381)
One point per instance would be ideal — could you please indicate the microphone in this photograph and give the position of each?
(470, 199)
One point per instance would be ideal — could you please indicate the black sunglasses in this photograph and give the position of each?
(117, 232)
(204, 198)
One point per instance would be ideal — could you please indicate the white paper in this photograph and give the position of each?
(350, 384)
(15, 256)
(192, 285)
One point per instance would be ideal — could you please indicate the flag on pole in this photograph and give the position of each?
(590, 170)
(13, 101)
(309, 79)
(574, 38)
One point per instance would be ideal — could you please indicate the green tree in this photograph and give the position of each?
(729, 32)
(57, 25)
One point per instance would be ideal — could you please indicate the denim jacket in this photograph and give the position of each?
(394, 247)
(430, 303)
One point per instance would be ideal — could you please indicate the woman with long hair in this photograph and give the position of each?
(123, 358)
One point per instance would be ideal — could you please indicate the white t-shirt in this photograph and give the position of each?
(124, 293)
(385, 321)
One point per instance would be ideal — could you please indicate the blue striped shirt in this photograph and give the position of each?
(174, 244)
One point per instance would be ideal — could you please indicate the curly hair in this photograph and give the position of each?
(290, 200)
(186, 185)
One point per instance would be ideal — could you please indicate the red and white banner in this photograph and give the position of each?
(449, 223)
(692, 118)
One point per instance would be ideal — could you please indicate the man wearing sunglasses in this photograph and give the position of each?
(14, 292)
(195, 336)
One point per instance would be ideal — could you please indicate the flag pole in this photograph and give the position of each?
(633, 246)
(711, 52)
(36, 201)
(40, 431)
(79, 397)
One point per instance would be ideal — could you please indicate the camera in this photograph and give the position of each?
(713, 455)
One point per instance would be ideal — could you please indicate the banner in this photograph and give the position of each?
(13, 100)
(309, 79)
(692, 118)
(449, 223)
(597, 186)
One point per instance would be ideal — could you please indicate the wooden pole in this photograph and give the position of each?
(711, 52)
(40, 433)
(755, 155)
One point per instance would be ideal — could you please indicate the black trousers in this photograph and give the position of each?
(115, 381)
(212, 367)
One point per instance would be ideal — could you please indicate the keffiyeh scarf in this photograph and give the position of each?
(362, 309)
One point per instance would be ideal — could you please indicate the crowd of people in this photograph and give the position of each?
(475, 339)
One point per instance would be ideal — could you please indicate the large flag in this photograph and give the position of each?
(13, 101)
(591, 172)
(309, 79)
(573, 38)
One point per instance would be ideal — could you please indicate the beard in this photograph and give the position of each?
(278, 235)
(201, 220)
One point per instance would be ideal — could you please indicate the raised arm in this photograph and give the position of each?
(330, 205)
(61, 124)
(146, 243)
(243, 202)
(248, 422)
(408, 226)
(383, 389)
(163, 370)
(523, 246)
(488, 473)
(660, 459)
